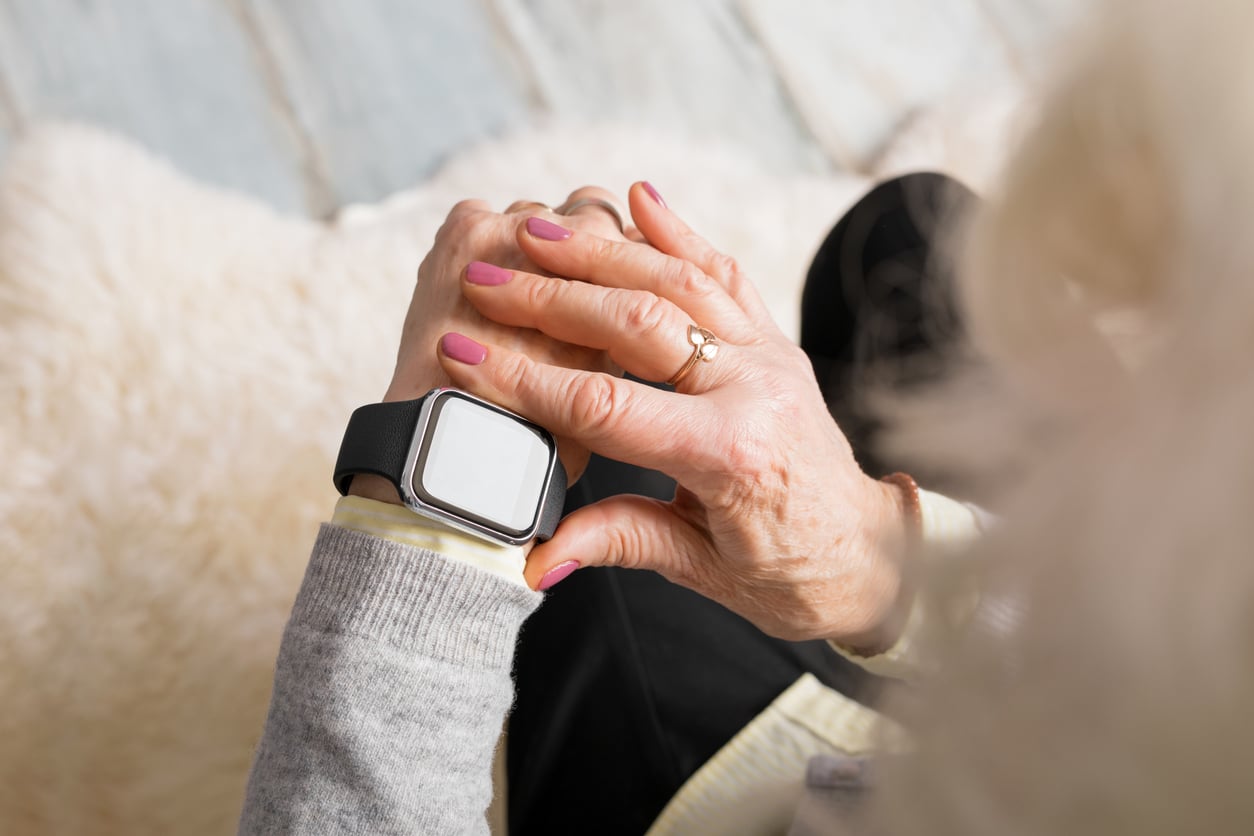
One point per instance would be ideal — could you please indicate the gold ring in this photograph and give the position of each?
(597, 202)
(519, 206)
(704, 348)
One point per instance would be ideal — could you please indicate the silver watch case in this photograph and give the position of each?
(460, 519)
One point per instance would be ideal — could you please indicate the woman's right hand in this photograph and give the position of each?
(773, 517)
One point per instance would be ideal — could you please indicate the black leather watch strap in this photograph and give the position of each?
(377, 441)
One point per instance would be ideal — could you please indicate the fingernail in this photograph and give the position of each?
(653, 193)
(463, 349)
(547, 231)
(478, 272)
(557, 574)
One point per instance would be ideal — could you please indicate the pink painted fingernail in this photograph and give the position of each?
(547, 231)
(557, 574)
(463, 349)
(479, 272)
(653, 193)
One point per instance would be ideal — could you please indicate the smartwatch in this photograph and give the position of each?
(462, 461)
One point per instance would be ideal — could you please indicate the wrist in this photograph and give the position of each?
(370, 486)
(897, 523)
(458, 459)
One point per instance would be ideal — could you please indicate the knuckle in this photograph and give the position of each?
(691, 280)
(539, 295)
(466, 207)
(750, 453)
(645, 312)
(752, 474)
(600, 250)
(513, 375)
(724, 267)
(731, 494)
(594, 400)
(749, 463)
(463, 222)
(625, 543)
(520, 205)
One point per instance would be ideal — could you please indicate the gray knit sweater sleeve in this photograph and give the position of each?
(392, 684)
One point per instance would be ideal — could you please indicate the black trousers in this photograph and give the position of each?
(627, 683)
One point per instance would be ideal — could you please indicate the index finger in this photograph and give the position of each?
(612, 416)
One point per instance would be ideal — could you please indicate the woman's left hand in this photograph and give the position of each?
(773, 517)
(472, 232)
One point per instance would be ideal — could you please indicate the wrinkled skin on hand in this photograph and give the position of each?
(773, 517)
(473, 232)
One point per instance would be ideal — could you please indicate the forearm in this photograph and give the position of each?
(391, 687)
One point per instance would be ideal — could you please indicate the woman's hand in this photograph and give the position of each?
(773, 518)
(474, 233)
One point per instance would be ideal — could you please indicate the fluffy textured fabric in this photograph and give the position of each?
(1110, 688)
(176, 367)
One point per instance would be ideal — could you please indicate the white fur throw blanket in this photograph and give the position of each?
(176, 367)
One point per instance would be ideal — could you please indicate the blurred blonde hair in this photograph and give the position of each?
(1110, 283)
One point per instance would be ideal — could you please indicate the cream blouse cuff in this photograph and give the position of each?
(395, 522)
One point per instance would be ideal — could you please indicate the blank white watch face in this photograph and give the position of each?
(485, 464)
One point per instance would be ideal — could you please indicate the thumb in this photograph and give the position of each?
(634, 532)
